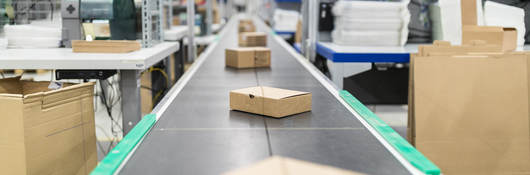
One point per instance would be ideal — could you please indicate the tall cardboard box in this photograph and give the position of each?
(277, 165)
(470, 111)
(253, 39)
(273, 102)
(46, 131)
(503, 36)
(248, 57)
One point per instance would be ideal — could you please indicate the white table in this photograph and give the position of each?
(344, 61)
(131, 65)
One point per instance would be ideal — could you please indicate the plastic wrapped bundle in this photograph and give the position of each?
(285, 20)
(371, 23)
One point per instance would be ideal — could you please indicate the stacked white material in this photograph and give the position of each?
(32, 36)
(285, 20)
(371, 23)
(496, 14)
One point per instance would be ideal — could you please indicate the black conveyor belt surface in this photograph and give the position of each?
(198, 134)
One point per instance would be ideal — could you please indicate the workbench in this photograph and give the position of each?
(344, 61)
(193, 130)
(130, 66)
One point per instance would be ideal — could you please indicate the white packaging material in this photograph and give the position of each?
(285, 20)
(32, 36)
(33, 42)
(366, 38)
(371, 23)
(345, 23)
(3, 43)
(31, 31)
(497, 14)
(446, 20)
(370, 9)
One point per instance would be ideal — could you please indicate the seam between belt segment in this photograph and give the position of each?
(392, 137)
(114, 159)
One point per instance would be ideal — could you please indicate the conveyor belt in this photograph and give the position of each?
(198, 134)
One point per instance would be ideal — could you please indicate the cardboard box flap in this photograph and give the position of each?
(269, 92)
(277, 165)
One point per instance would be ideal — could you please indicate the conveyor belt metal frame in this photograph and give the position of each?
(130, 143)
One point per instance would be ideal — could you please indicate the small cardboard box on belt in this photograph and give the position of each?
(277, 165)
(253, 39)
(45, 131)
(270, 101)
(248, 57)
(246, 25)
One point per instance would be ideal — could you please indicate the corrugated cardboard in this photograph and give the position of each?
(253, 39)
(298, 34)
(146, 93)
(270, 101)
(46, 132)
(503, 36)
(277, 165)
(248, 57)
(470, 111)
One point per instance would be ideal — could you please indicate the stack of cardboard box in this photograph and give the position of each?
(46, 131)
(261, 100)
(469, 105)
(252, 39)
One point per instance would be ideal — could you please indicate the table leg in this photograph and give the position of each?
(131, 100)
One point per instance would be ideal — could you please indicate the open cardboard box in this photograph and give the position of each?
(45, 131)
(248, 57)
(270, 101)
(506, 37)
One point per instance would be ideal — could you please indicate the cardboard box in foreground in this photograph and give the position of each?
(46, 131)
(270, 101)
(474, 118)
(248, 57)
(286, 166)
(253, 39)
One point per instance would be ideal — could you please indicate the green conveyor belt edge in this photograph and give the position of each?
(118, 154)
(408, 152)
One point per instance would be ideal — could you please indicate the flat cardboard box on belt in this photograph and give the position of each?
(248, 57)
(469, 110)
(503, 36)
(46, 131)
(253, 39)
(277, 165)
(273, 102)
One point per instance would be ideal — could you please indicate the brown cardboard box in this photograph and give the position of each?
(270, 101)
(46, 131)
(146, 93)
(277, 165)
(470, 111)
(298, 34)
(253, 39)
(503, 36)
(246, 25)
(248, 57)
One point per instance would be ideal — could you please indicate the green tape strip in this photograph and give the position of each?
(217, 38)
(273, 33)
(116, 156)
(399, 143)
